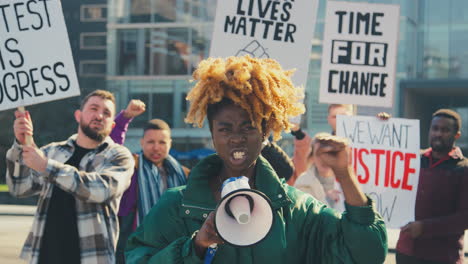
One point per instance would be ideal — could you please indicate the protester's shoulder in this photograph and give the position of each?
(115, 148)
(58, 145)
(306, 208)
(463, 163)
(173, 195)
(299, 198)
(170, 202)
(165, 214)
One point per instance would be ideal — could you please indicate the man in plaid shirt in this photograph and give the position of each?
(79, 182)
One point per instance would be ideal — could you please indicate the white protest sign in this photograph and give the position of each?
(281, 30)
(36, 62)
(359, 53)
(386, 158)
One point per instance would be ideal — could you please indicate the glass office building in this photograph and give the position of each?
(154, 45)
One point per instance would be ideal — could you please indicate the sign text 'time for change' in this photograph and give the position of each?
(359, 53)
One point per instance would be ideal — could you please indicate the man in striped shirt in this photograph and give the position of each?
(79, 182)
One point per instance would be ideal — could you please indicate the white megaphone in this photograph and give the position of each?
(244, 216)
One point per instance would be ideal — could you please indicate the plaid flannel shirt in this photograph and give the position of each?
(98, 185)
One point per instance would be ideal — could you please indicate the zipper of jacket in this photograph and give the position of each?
(198, 207)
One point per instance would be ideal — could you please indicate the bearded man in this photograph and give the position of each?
(79, 182)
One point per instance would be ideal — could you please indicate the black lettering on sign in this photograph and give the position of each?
(25, 15)
(23, 83)
(358, 83)
(39, 17)
(286, 12)
(10, 46)
(62, 76)
(355, 21)
(45, 76)
(359, 53)
(331, 89)
(19, 15)
(46, 9)
(8, 85)
(2, 8)
(266, 29)
(34, 82)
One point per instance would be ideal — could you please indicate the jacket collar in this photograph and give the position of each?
(455, 153)
(70, 142)
(198, 193)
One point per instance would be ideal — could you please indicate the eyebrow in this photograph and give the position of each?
(98, 106)
(222, 123)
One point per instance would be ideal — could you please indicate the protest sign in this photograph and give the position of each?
(36, 62)
(359, 53)
(281, 30)
(386, 158)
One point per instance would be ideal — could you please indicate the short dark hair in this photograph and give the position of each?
(347, 106)
(447, 113)
(106, 95)
(157, 124)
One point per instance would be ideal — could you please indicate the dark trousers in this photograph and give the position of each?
(126, 226)
(405, 259)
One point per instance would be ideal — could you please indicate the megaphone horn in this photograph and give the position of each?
(242, 205)
(244, 216)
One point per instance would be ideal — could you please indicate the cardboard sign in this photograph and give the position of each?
(281, 30)
(386, 158)
(359, 54)
(36, 62)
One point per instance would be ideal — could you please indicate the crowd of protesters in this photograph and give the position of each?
(99, 203)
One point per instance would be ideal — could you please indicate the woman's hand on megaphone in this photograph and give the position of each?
(206, 236)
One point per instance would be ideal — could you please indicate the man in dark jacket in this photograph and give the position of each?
(441, 213)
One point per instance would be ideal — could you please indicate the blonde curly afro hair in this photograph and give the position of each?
(260, 86)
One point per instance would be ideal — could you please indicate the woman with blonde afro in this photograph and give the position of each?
(245, 99)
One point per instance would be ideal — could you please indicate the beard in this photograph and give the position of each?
(97, 136)
(441, 146)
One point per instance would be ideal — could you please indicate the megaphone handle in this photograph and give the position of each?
(210, 253)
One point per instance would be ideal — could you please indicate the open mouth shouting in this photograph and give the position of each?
(238, 157)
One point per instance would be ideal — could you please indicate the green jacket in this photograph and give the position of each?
(304, 230)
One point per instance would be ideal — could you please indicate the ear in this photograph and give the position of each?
(113, 125)
(457, 135)
(77, 116)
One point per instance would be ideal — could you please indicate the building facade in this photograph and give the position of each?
(86, 22)
(154, 45)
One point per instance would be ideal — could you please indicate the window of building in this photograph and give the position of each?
(93, 40)
(130, 59)
(168, 50)
(92, 68)
(93, 13)
(163, 107)
(158, 105)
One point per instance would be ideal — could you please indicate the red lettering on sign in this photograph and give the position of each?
(390, 161)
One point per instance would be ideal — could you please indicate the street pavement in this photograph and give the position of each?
(16, 221)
